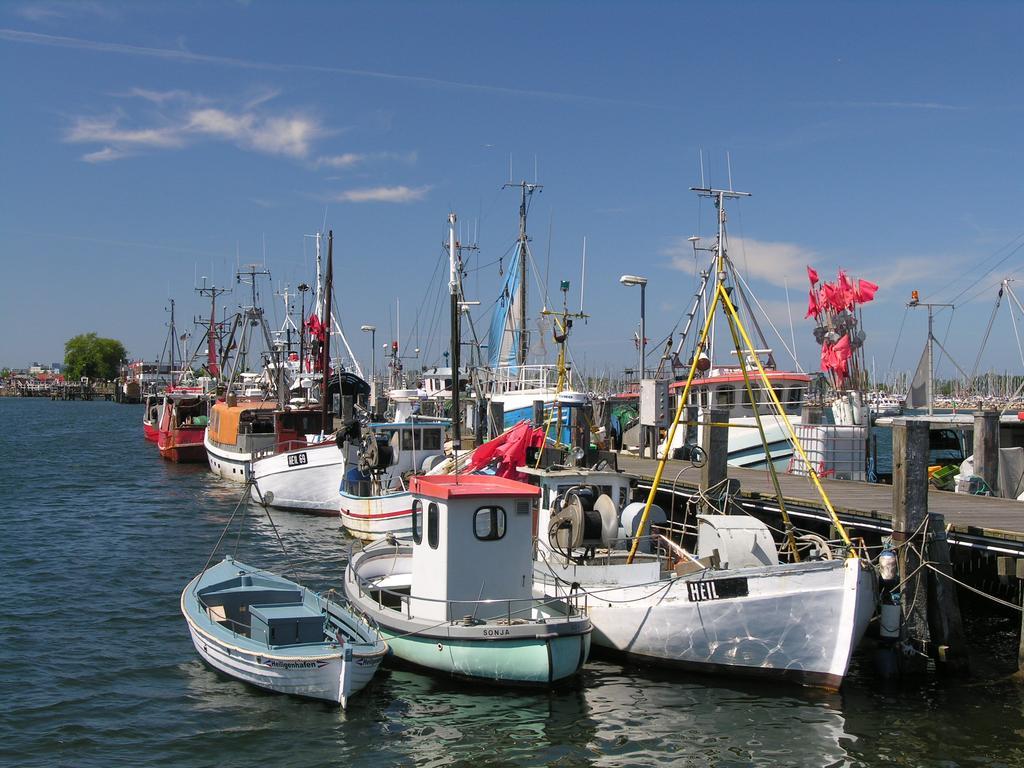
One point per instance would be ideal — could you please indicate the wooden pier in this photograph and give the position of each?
(981, 522)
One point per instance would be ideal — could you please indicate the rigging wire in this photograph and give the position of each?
(899, 336)
(985, 273)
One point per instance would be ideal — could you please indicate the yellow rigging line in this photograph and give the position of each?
(721, 295)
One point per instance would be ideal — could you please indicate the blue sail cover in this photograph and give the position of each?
(503, 339)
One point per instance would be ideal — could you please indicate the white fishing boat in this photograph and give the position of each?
(732, 606)
(457, 598)
(374, 495)
(270, 632)
(723, 387)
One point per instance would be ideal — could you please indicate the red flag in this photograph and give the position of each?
(812, 275)
(316, 328)
(813, 308)
(847, 293)
(831, 297)
(841, 350)
(866, 291)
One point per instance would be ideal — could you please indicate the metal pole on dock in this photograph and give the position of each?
(909, 512)
(986, 448)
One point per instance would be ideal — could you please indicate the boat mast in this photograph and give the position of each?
(326, 359)
(174, 342)
(526, 189)
(454, 271)
(212, 335)
(930, 347)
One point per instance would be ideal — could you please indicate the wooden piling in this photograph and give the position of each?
(538, 413)
(715, 443)
(986, 448)
(495, 419)
(944, 623)
(909, 511)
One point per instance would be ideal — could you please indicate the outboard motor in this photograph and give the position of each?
(375, 454)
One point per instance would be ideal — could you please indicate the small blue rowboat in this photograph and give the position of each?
(273, 633)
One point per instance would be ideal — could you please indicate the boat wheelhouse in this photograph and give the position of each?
(457, 598)
(182, 426)
(724, 388)
(238, 428)
(301, 469)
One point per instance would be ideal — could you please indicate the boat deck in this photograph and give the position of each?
(989, 523)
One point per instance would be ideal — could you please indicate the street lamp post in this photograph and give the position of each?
(372, 330)
(642, 282)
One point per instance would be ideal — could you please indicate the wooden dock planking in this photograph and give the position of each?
(999, 520)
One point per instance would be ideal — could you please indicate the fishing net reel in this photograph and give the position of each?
(582, 519)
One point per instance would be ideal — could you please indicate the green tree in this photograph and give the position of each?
(89, 355)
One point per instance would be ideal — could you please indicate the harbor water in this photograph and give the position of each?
(100, 535)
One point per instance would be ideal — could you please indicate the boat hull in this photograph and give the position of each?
(329, 671)
(525, 662)
(798, 622)
(226, 463)
(183, 445)
(301, 480)
(151, 433)
(374, 517)
(314, 679)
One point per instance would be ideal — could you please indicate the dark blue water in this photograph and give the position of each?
(96, 668)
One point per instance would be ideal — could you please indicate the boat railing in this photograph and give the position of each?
(515, 607)
(520, 377)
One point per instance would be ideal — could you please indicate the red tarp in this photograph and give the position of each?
(508, 450)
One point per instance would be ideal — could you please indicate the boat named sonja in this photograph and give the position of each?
(458, 598)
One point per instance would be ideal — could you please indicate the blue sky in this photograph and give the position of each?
(144, 144)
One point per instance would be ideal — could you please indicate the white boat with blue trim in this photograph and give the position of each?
(270, 632)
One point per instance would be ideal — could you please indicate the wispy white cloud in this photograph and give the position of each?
(105, 155)
(53, 10)
(179, 118)
(930, 105)
(399, 194)
(290, 135)
(107, 130)
(772, 262)
(352, 159)
(164, 97)
(174, 54)
(347, 160)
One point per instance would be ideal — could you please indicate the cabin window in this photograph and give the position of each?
(431, 440)
(417, 521)
(433, 522)
(725, 396)
(489, 523)
(756, 390)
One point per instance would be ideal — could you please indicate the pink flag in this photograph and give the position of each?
(847, 293)
(866, 291)
(812, 275)
(813, 309)
(841, 350)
